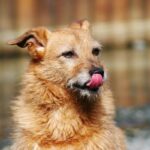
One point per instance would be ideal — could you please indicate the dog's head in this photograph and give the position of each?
(67, 57)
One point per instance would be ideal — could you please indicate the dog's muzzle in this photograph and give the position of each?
(97, 76)
(88, 81)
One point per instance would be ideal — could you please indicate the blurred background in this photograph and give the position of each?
(123, 28)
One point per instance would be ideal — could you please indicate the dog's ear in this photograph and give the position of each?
(35, 40)
(81, 24)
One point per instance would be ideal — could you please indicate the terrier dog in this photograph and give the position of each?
(64, 103)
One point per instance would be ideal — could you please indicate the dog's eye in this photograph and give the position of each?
(96, 51)
(68, 54)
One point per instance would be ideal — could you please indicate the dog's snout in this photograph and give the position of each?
(98, 70)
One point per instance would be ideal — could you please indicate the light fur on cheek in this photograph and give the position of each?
(81, 79)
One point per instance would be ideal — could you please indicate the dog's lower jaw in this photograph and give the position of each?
(87, 94)
(83, 91)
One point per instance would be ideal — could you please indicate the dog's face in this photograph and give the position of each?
(68, 57)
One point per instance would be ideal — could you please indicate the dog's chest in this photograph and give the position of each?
(63, 123)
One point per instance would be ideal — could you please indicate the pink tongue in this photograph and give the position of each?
(96, 81)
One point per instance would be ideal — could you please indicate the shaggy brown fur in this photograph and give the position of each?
(48, 114)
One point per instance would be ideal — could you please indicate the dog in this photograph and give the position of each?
(64, 103)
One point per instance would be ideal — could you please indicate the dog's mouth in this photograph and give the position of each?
(91, 85)
(88, 83)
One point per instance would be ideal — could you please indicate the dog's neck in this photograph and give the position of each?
(48, 111)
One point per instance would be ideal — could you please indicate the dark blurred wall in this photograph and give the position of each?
(114, 21)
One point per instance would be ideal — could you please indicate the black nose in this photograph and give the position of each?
(97, 70)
